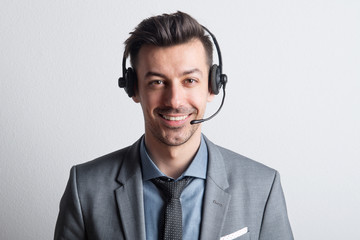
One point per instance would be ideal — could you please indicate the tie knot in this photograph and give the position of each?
(171, 189)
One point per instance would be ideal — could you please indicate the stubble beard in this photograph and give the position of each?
(173, 136)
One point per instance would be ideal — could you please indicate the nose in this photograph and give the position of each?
(174, 96)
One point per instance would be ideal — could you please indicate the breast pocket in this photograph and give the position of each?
(242, 234)
(246, 236)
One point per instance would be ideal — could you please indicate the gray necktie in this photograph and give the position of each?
(172, 220)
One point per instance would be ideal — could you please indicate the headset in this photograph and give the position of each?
(217, 79)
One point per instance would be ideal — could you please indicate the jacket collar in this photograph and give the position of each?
(129, 196)
(216, 199)
(216, 165)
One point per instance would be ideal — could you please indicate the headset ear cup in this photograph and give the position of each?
(215, 79)
(130, 82)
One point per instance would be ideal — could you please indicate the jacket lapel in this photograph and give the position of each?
(129, 196)
(216, 200)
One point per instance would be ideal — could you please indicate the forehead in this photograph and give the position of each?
(186, 55)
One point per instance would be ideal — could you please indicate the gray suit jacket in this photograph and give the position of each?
(104, 199)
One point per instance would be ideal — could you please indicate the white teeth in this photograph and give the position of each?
(174, 118)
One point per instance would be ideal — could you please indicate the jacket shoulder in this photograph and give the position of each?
(234, 160)
(103, 164)
(115, 166)
(239, 168)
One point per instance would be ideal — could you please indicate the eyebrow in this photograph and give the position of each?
(195, 70)
(156, 74)
(151, 74)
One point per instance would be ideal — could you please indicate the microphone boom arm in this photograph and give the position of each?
(205, 119)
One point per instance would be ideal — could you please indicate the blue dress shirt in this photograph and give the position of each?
(191, 197)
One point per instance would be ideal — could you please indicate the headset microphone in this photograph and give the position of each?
(222, 103)
(217, 79)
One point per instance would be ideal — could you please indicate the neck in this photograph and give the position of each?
(173, 160)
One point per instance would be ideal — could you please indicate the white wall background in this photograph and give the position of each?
(292, 101)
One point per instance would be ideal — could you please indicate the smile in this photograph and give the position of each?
(177, 118)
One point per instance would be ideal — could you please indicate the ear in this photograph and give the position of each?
(136, 98)
(210, 97)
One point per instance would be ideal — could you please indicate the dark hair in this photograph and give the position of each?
(166, 30)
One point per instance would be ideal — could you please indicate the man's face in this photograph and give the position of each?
(172, 90)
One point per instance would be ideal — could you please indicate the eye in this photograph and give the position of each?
(190, 81)
(156, 82)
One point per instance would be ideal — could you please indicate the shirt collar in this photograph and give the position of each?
(197, 168)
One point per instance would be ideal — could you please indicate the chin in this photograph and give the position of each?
(177, 138)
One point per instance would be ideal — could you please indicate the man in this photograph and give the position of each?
(223, 195)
